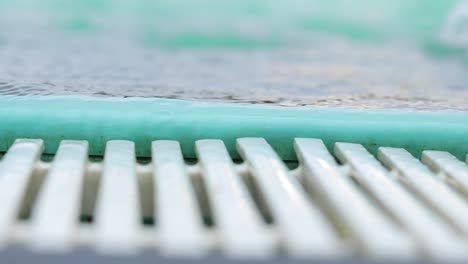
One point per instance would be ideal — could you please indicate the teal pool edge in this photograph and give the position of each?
(98, 120)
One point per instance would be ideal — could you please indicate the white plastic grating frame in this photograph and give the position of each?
(330, 206)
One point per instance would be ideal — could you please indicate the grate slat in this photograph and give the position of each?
(442, 161)
(55, 221)
(180, 227)
(234, 209)
(16, 170)
(118, 213)
(435, 236)
(377, 234)
(309, 233)
(420, 179)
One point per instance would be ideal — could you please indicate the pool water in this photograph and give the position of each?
(360, 54)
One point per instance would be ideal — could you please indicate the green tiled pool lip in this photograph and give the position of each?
(142, 120)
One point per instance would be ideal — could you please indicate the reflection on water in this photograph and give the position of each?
(252, 54)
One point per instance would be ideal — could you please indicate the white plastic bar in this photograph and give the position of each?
(442, 161)
(436, 237)
(118, 216)
(243, 232)
(378, 235)
(56, 214)
(304, 229)
(16, 169)
(422, 181)
(179, 220)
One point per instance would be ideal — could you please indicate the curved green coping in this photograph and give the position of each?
(98, 120)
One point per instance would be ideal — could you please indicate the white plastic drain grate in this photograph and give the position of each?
(398, 207)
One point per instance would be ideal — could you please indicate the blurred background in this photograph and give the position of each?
(410, 54)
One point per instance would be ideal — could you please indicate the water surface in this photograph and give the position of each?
(364, 54)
